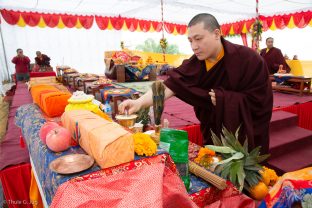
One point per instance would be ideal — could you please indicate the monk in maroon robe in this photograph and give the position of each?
(274, 58)
(227, 84)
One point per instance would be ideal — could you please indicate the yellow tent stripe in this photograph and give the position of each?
(41, 23)
(60, 24)
(21, 22)
(110, 26)
(78, 24)
(291, 23)
(310, 24)
(124, 26)
(138, 28)
(232, 30)
(175, 32)
(244, 30)
(273, 26)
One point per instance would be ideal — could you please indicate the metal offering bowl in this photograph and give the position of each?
(126, 120)
(73, 163)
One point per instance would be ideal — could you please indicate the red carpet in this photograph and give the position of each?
(11, 152)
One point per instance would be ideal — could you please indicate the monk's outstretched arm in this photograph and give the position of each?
(143, 102)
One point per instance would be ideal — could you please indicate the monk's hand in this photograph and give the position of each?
(213, 97)
(131, 106)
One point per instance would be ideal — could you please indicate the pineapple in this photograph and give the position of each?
(238, 165)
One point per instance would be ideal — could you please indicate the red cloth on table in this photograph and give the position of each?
(234, 201)
(304, 112)
(43, 74)
(147, 185)
(194, 134)
(16, 183)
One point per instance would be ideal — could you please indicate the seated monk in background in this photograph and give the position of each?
(227, 84)
(42, 60)
(274, 57)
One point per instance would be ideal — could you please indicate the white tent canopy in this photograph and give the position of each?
(176, 11)
(84, 49)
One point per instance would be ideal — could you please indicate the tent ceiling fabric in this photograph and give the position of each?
(175, 11)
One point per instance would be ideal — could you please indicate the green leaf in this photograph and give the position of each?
(236, 156)
(215, 139)
(245, 146)
(241, 176)
(221, 149)
(237, 131)
(236, 167)
(251, 178)
(253, 167)
(226, 170)
(255, 152)
(250, 161)
(262, 158)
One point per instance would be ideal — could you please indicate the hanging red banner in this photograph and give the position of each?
(102, 22)
(86, 21)
(11, 17)
(31, 18)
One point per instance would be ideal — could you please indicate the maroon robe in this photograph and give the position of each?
(273, 59)
(243, 94)
(43, 61)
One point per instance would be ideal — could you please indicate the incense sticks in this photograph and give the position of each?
(201, 172)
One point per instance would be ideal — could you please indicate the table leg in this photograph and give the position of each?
(301, 87)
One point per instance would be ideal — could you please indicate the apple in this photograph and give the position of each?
(58, 139)
(45, 129)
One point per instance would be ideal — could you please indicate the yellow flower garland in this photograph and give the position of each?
(144, 145)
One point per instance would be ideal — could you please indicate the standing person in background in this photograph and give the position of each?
(42, 60)
(21, 66)
(274, 58)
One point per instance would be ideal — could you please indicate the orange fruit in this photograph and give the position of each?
(266, 179)
(259, 191)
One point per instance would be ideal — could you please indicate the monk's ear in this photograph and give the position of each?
(217, 34)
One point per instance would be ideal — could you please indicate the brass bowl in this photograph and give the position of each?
(126, 120)
(72, 163)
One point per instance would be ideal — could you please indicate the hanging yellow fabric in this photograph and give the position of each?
(34, 194)
(244, 30)
(110, 26)
(21, 22)
(138, 29)
(78, 24)
(124, 26)
(232, 30)
(175, 32)
(41, 23)
(291, 23)
(60, 24)
(273, 26)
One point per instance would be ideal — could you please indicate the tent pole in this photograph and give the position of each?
(4, 52)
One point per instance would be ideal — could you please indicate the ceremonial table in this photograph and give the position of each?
(48, 181)
(304, 85)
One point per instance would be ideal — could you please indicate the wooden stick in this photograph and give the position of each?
(201, 172)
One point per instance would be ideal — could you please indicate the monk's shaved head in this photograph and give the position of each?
(210, 22)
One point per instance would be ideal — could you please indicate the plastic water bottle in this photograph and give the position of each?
(108, 109)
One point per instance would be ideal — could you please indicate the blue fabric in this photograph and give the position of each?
(110, 95)
(29, 118)
(281, 79)
(137, 75)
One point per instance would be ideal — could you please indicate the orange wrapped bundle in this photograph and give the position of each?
(50, 99)
(109, 143)
(38, 90)
(54, 103)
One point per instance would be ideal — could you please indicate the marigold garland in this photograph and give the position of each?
(204, 157)
(144, 145)
(269, 176)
